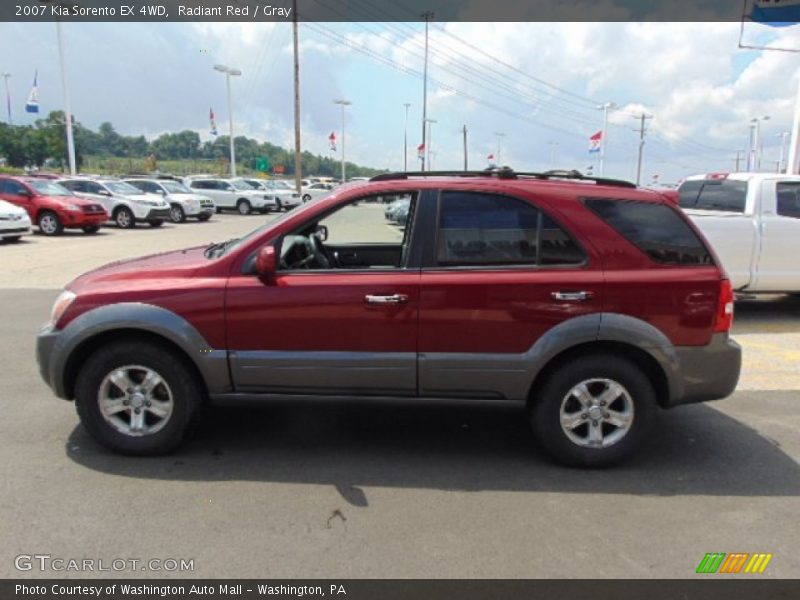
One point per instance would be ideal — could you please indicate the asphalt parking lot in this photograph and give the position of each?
(346, 491)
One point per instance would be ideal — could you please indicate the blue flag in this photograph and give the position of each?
(776, 13)
(32, 105)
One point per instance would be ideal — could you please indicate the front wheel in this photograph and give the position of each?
(124, 218)
(593, 411)
(91, 229)
(306, 198)
(136, 398)
(156, 222)
(50, 224)
(177, 214)
(244, 208)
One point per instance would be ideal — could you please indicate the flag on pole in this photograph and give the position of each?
(332, 140)
(421, 151)
(776, 13)
(211, 120)
(491, 159)
(32, 105)
(595, 142)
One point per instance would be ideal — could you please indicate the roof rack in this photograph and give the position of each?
(506, 173)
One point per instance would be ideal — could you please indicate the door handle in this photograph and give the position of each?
(572, 296)
(393, 299)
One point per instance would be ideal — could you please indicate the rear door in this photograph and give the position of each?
(498, 274)
(778, 263)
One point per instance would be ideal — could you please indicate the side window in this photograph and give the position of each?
(656, 229)
(366, 221)
(90, 187)
(74, 186)
(14, 188)
(688, 192)
(789, 199)
(484, 229)
(726, 195)
(199, 185)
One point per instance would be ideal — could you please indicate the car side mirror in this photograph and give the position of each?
(104, 193)
(26, 193)
(267, 261)
(322, 233)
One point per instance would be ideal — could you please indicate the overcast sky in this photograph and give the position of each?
(538, 83)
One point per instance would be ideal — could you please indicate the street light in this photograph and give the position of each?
(755, 155)
(784, 135)
(343, 104)
(230, 72)
(429, 123)
(5, 76)
(500, 135)
(405, 139)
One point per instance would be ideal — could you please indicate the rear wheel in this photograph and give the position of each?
(177, 214)
(593, 411)
(124, 218)
(156, 222)
(50, 224)
(136, 398)
(244, 207)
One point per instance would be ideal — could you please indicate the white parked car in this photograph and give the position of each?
(316, 190)
(14, 222)
(753, 222)
(233, 194)
(125, 204)
(183, 202)
(285, 197)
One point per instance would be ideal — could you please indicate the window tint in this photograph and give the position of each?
(789, 199)
(90, 187)
(75, 186)
(13, 188)
(714, 194)
(656, 229)
(484, 229)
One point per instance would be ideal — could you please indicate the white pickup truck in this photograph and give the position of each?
(753, 222)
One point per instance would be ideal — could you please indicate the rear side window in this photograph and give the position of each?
(727, 195)
(487, 229)
(789, 199)
(656, 229)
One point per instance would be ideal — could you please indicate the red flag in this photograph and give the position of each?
(332, 140)
(421, 151)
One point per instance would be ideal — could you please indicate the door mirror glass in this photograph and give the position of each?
(322, 233)
(267, 261)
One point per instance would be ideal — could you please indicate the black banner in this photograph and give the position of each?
(370, 10)
(711, 588)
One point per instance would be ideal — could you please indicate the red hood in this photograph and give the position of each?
(68, 200)
(167, 265)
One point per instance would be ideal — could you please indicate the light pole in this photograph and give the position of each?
(229, 71)
(605, 108)
(500, 135)
(784, 135)
(427, 16)
(428, 147)
(343, 103)
(5, 76)
(755, 155)
(405, 139)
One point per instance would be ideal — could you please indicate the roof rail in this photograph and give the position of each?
(506, 173)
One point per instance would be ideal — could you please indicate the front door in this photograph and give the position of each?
(340, 316)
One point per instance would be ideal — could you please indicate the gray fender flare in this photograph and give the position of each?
(212, 363)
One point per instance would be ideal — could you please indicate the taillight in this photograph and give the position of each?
(724, 320)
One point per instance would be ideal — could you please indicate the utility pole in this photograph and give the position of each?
(298, 163)
(405, 139)
(755, 134)
(738, 160)
(793, 161)
(427, 16)
(642, 131)
(784, 135)
(500, 135)
(5, 76)
(466, 161)
(67, 108)
(604, 140)
(230, 72)
(343, 104)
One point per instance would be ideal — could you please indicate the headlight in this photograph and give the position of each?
(73, 207)
(61, 304)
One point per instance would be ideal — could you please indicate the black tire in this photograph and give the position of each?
(13, 239)
(187, 396)
(306, 198)
(204, 217)
(91, 229)
(219, 210)
(244, 207)
(124, 218)
(545, 410)
(50, 224)
(177, 214)
(156, 222)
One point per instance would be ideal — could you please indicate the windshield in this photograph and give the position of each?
(48, 188)
(241, 185)
(173, 187)
(253, 184)
(119, 187)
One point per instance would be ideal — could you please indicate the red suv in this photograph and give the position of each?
(587, 302)
(51, 206)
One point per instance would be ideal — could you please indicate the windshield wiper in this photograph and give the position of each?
(216, 249)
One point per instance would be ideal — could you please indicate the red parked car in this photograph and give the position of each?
(51, 206)
(587, 302)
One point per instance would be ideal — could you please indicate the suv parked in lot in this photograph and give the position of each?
(233, 194)
(52, 207)
(585, 301)
(183, 202)
(286, 198)
(124, 203)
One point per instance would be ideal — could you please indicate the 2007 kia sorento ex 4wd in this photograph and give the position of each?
(588, 302)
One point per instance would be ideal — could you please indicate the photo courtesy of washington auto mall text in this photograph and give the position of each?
(400, 299)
